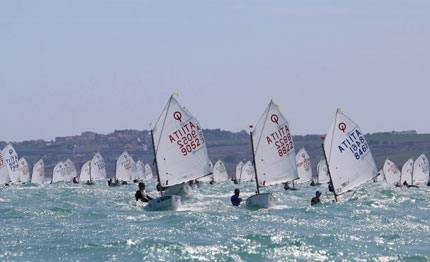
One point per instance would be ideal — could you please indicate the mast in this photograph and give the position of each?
(156, 162)
(90, 170)
(255, 166)
(328, 170)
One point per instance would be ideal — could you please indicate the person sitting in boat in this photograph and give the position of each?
(235, 199)
(428, 183)
(235, 181)
(287, 186)
(313, 183)
(330, 187)
(405, 183)
(316, 200)
(75, 180)
(141, 194)
(160, 188)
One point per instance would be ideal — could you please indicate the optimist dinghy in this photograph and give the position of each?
(180, 153)
(273, 155)
(349, 160)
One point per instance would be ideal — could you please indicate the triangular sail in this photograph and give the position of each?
(322, 172)
(85, 175)
(134, 170)
(148, 172)
(10, 159)
(180, 146)
(304, 168)
(274, 151)
(70, 170)
(348, 155)
(407, 170)
(38, 174)
(24, 171)
(98, 167)
(239, 167)
(60, 173)
(248, 172)
(124, 166)
(391, 172)
(219, 172)
(140, 170)
(4, 174)
(380, 177)
(421, 169)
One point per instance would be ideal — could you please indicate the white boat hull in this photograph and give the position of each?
(260, 201)
(164, 203)
(183, 190)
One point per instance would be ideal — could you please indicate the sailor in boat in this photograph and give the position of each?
(330, 187)
(428, 183)
(234, 180)
(313, 183)
(287, 186)
(316, 200)
(141, 194)
(75, 180)
(235, 199)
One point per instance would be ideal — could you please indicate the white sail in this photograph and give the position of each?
(391, 172)
(239, 170)
(24, 171)
(322, 172)
(4, 174)
(380, 176)
(98, 167)
(148, 172)
(141, 170)
(304, 168)
(10, 159)
(219, 172)
(407, 170)
(248, 173)
(60, 173)
(179, 145)
(85, 175)
(274, 151)
(124, 167)
(348, 155)
(70, 170)
(38, 174)
(134, 170)
(208, 178)
(421, 169)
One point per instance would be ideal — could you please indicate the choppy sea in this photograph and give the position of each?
(67, 222)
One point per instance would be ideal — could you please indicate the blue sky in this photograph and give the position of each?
(100, 65)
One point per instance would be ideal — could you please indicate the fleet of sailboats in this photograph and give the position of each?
(181, 157)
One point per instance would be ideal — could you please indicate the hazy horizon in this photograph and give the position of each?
(74, 66)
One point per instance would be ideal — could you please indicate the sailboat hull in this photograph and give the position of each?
(260, 201)
(164, 203)
(183, 190)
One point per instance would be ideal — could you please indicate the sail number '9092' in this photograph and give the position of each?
(188, 138)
